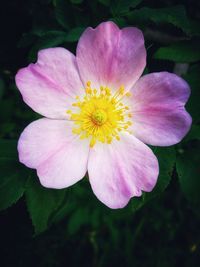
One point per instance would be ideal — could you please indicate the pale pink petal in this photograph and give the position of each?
(59, 156)
(159, 116)
(109, 56)
(121, 170)
(49, 85)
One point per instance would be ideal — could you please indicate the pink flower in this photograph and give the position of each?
(100, 114)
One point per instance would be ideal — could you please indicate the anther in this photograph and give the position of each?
(88, 83)
(121, 90)
(128, 94)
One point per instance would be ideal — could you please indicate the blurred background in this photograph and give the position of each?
(70, 227)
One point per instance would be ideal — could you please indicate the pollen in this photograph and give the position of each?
(100, 115)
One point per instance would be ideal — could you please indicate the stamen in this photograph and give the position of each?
(92, 142)
(128, 94)
(88, 83)
(100, 116)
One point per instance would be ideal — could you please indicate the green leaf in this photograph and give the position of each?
(105, 2)
(166, 158)
(121, 22)
(74, 34)
(182, 52)
(188, 169)
(42, 203)
(175, 15)
(194, 133)
(193, 78)
(76, 1)
(47, 40)
(13, 175)
(65, 14)
(77, 219)
(53, 39)
(120, 7)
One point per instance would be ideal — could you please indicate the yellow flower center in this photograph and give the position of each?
(100, 115)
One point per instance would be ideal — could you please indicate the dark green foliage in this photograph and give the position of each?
(42, 203)
(185, 52)
(70, 226)
(122, 7)
(166, 158)
(13, 175)
(175, 15)
(188, 169)
(193, 78)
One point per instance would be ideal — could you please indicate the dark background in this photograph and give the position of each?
(162, 232)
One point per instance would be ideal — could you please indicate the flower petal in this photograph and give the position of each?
(49, 85)
(159, 116)
(58, 155)
(121, 170)
(110, 56)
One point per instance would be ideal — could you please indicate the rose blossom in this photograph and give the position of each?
(100, 114)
